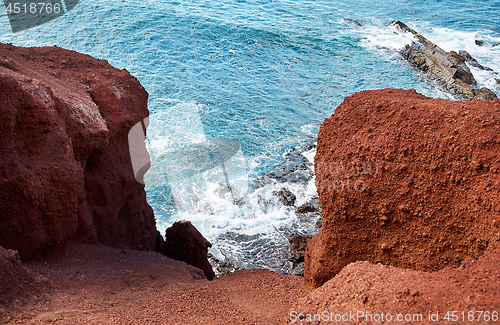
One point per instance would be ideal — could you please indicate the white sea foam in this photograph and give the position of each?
(245, 224)
(385, 38)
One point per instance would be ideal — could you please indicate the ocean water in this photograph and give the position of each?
(255, 79)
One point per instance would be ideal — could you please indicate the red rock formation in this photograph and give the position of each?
(65, 167)
(17, 282)
(423, 197)
(185, 243)
(367, 293)
(407, 181)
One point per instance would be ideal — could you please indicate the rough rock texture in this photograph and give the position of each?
(407, 181)
(295, 169)
(17, 282)
(362, 288)
(448, 68)
(185, 243)
(298, 245)
(105, 286)
(65, 168)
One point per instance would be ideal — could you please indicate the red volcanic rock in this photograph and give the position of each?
(185, 243)
(17, 282)
(410, 184)
(370, 293)
(65, 168)
(407, 181)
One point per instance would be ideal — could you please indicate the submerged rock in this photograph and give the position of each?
(312, 206)
(221, 267)
(485, 43)
(471, 61)
(449, 68)
(296, 168)
(305, 208)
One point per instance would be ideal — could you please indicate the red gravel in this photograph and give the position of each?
(100, 285)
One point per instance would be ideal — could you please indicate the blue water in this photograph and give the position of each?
(264, 73)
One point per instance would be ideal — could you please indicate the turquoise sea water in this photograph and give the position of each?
(263, 73)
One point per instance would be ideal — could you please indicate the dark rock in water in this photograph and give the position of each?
(185, 243)
(298, 245)
(448, 68)
(313, 206)
(305, 208)
(222, 268)
(471, 61)
(354, 22)
(480, 43)
(285, 197)
(296, 168)
(294, 171)
(485, 43)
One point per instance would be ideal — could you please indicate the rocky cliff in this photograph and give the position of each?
(411, 186)
(65, 167)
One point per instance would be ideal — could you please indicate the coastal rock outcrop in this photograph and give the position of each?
(185, 243)
(65, 167)
(417, 232)
(407, 181)
(449, 68)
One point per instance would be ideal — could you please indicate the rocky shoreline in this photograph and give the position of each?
(448, 68)
(408, 186)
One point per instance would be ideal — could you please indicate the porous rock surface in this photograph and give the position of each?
(65, 169)
(409, 185)
(185, 243)
(17, 282)
(420, 181)
(406, 296)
